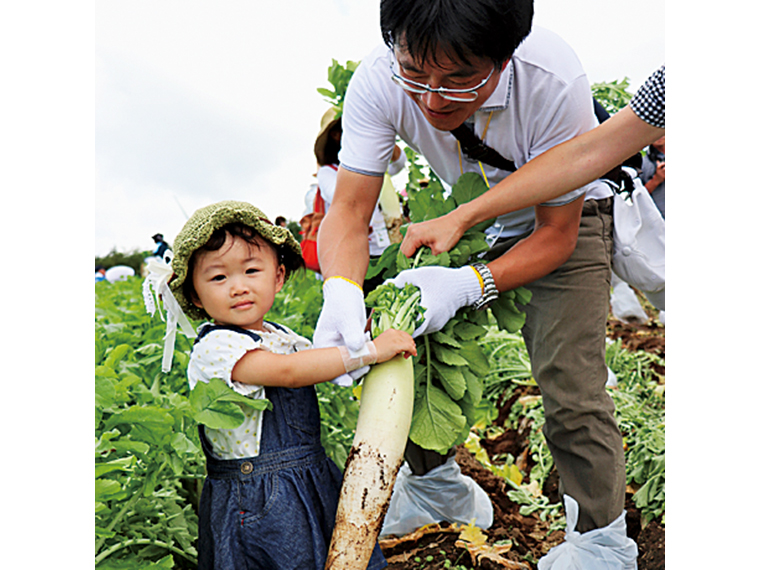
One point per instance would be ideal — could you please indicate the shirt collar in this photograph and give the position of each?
(499, 99)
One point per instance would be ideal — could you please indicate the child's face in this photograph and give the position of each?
(237, 283)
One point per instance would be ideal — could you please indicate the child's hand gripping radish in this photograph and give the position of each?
(393, 342)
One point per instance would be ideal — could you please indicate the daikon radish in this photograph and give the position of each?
(385, 415)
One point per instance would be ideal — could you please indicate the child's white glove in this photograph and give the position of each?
(342, 322)
(444, 290)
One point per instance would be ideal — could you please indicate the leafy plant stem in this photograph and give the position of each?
(127, 506)
(124, 510)
(428, 366)
(137, 541)
(417, 257)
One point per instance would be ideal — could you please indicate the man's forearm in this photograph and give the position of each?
(527, 261)
(549, 246)
(563, 168)
(652, 184)
(343, 246)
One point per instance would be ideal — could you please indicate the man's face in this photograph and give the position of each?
(445, 114)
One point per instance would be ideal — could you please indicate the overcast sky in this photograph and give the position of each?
(198, 101)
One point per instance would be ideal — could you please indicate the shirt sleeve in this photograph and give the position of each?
(570, 114)
(368, 133)
(649, 101)
(216, 354)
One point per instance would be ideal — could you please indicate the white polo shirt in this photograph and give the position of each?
(543, 98)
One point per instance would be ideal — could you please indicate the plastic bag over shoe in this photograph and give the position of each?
(442, 494)
(607, 548)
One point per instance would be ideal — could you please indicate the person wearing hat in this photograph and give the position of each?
(268, 478)
(326, 149)
(475, 87)
(161, 246)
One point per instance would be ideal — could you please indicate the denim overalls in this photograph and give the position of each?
(275, 510)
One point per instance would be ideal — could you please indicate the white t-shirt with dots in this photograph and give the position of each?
(214, 356)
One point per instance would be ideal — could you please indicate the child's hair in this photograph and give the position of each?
(207, 230)
(285, 255)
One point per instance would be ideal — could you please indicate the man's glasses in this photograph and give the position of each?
(463, 95)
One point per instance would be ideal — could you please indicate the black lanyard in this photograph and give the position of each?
(475, 149)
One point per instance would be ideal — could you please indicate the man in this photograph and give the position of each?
(448, 64)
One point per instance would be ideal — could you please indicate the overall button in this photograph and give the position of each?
(246, 467)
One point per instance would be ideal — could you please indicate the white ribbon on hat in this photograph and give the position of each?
(159, 274)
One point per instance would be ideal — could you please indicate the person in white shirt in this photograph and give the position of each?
(326, 149)
(577, 161)
(449, 66)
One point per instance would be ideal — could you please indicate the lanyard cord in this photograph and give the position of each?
(483, 138)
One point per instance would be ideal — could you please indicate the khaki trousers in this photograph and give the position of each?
(565, 336)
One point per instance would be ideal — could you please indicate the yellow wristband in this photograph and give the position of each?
(352, 282)
(480, 280)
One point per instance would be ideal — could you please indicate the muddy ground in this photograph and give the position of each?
(437, 547)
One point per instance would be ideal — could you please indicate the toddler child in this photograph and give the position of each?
(270, 496)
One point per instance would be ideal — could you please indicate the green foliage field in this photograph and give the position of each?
(148, 462)
(133, 259)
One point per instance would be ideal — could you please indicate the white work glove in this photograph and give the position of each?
(342, 322)
(444, 290)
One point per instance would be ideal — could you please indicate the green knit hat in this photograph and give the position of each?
(204, 222)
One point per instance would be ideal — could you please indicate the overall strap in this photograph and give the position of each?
(210, 328)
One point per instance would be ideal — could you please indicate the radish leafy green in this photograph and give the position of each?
(450, 364)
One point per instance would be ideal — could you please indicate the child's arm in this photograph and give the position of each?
(308, 367)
